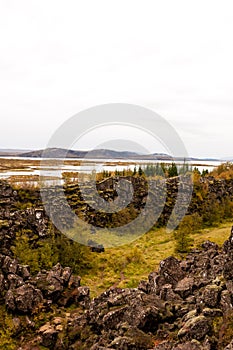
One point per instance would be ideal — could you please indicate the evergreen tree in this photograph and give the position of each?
(172, 170)
(188, 225)
(140, 171)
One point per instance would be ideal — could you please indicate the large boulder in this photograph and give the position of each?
(48, 336)
(77, 296)
(195, 328)
(170, 272)
(228, 269)
(23, 299)
(184, 287)
(211, 295)
(52, 282)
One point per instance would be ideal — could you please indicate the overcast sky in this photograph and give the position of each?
(174, 57)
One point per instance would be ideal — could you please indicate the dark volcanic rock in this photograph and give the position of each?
(182, 306)
(211, 295)
(228, 245)
(48, 336)
(185, 286)
(171, 270)
(23, 299)
(185, 305)
(78, 296)
(24, 293)
(196, 327)
(52, 282)
(184, 301)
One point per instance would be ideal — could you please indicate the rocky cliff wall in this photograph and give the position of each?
(23, 209)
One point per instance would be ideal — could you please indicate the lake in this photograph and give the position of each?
(86, 166)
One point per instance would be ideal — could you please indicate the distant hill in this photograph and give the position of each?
(63, 153)
(54, 153)
(94, 154)
(107, 153)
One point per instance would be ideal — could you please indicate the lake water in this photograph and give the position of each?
(97, 165)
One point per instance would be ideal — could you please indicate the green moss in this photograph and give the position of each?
(7, 330)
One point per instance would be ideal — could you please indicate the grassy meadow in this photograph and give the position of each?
(125, 266)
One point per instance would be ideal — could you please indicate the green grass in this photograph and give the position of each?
(215, 234)
(125, 266)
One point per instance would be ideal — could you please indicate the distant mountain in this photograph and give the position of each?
(54, 153)
(95, 154)
(107, 153)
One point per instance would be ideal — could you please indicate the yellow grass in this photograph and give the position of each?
(125, 266)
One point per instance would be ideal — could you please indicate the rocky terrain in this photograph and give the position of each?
(207, 194)
(186, 304)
